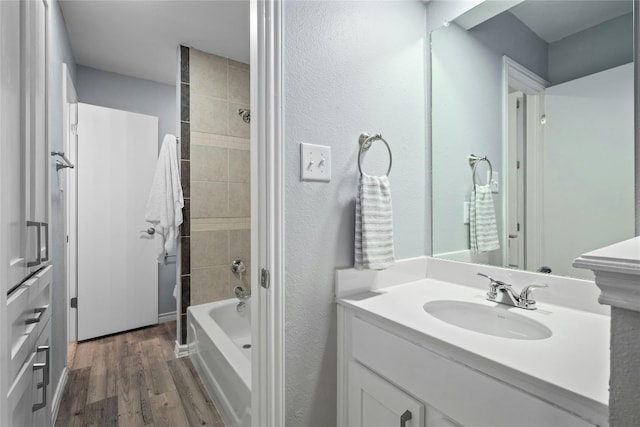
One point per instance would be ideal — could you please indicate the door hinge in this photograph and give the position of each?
(67, 238)
(518, 103)
(518, 227)
(518, 164)
(264, 278)
(74, 302)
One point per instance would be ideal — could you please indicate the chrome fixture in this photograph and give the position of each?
(59, 165)
(503, 293)
(245, 113)
(365, 140)
(544, 269)
(150, 231)
(237, 266)
(473, 162)
(241, 293)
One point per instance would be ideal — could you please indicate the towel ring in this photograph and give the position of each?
(473, 162)
(365, 142)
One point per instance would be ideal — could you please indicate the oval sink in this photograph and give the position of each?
(496, 321)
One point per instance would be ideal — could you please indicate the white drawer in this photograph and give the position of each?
(32, 300)
(467, 396)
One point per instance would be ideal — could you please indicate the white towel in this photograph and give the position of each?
(373, 247)
(165, 203)
(482, 220)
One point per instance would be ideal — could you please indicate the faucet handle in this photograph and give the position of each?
(526, 297)
(494, 282)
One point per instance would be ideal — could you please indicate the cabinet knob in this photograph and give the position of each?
(406, 416)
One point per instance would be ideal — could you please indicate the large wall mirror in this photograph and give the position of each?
(533, 136)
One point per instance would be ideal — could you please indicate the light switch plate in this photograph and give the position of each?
(315, 162)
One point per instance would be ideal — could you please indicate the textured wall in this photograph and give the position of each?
(349, 67)
(126, 93)
(59, 53)
(219, 176)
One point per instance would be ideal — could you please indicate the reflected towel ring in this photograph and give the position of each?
(365, 142)
(473, 162)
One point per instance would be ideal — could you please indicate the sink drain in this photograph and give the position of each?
(246, 346)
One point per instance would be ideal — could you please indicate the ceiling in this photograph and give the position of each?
(140, 38)
(553, 20)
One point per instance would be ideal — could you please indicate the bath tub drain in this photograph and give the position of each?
(246, 346)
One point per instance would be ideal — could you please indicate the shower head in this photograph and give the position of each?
(245, 113)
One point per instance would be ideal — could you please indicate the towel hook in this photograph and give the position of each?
(473, 162)
(365, 142)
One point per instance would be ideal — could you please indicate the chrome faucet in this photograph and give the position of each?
(503, 293)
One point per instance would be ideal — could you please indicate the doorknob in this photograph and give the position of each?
(150, 231)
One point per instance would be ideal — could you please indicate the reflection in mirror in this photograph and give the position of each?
(544, 91)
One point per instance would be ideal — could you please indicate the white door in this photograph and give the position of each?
(117, 269)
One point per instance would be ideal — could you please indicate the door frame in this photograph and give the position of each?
(267, 212)
(532, 86)
(70, 147)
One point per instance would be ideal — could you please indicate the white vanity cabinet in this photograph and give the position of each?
(385, 371)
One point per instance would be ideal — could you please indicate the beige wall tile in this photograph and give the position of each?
(237, 64)
(209, 163)
(239, 86)
(239, 200)
(237, 127)
(240, 245)
(239, 166)
(210, 284)
(208, 74)
(209, 199)
(209, 248)
(208, 114)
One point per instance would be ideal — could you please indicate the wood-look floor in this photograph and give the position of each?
(133, 379)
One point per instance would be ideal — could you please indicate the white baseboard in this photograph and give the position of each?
(57, 397)
(167, 317)
(181, 350)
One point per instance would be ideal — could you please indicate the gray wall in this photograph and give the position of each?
(599, 48)
(349, 67)
(139, 96)
(59, 53)
(507, 35)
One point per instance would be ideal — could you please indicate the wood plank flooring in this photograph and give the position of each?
(133, 379)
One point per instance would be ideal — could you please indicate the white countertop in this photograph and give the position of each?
(571, 366)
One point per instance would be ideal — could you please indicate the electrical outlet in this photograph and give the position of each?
(315, 162)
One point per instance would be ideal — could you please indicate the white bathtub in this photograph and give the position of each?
(219, 340)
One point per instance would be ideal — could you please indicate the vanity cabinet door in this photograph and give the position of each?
(374, 402)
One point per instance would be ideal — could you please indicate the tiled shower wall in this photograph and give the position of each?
(215, 177)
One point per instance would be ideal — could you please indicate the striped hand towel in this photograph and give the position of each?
(482, 220)
(374, 224)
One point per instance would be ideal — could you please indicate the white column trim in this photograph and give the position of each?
(267, 212)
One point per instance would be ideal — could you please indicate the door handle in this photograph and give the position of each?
(38, 259)
(150, 231)
(42, 385)
(406, 416)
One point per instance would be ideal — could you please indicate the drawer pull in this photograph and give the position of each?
(39, 312)
(406, 416)
(43, 386)
(46, 349)
(38, 259)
